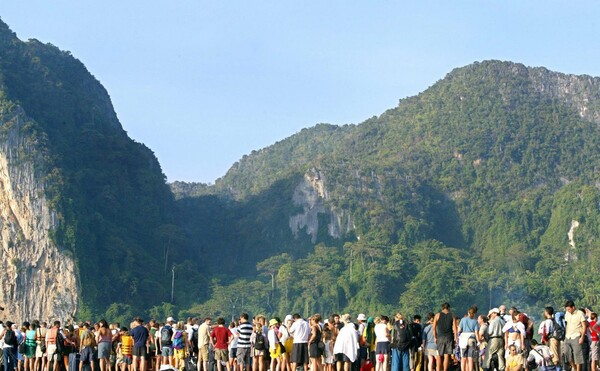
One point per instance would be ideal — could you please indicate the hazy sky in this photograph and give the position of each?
(204, 82)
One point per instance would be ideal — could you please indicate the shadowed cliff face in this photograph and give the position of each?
(38, 281)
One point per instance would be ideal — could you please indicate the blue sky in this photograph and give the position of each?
(203, 83)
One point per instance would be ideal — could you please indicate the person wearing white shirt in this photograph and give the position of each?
(300, 330)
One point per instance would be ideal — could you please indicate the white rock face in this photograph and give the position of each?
(38, 281)
(311, 194)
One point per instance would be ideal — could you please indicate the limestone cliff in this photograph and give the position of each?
(38, 280)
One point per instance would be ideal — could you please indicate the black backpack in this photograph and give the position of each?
(558, 331)
(401, 336)
(259, 342)
(165, 335)
(194, 340)
(10, 338)
(416, 331)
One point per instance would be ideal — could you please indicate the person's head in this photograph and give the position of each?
(361, 318)
(170, 321)
(593, 316)
(244, 317)
(288, 320)
(512, 349)
(399, 317)
(472, 311)
(446, 306)
(482, 319)
(346, 318)
(493, 313)
(385, 319)
(533, 343)
(57, 324)
(296, 316)
(430, 316)
(221, 321)
(317, 318)
(548, 312)
(336, 317)
(417, 318)
(208, 320)
(502, 309)
(570, 306)
(232, 324)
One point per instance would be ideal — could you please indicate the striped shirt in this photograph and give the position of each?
(245, 331)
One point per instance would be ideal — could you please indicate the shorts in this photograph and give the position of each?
(221, 355)
(471, 350)
(167, 351)
(203, 353)
(258, 353)
(594, 351)
(432, 352)
(30, 352)
(125, 360)
(299, 353)
(51, 352)
(362, 353)
(139, 351)
(104, 350)
(243, 356)
(382, 347)
(341, 357)
(573, 351)
(180, 353)
(233, 353)
(445, 345)
(38, 351)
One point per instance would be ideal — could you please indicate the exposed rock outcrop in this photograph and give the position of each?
(38, 280)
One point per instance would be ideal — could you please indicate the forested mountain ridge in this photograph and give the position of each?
(481, 189)
(469, 189)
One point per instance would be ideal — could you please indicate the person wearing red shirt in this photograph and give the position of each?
(221, 336)
(594, 330)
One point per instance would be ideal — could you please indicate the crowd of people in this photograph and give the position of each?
(500, 340)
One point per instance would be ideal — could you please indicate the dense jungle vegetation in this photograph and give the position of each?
(464, 193)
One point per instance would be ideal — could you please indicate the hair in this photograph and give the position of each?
(232, 324)
(416, 317)
(533, 342)
(385, 318)
(317, 317)
(569, 303)
(34, 326)
(181, 325)
(296, 316)
(220, 321)
(430, 316)
(327, 335)
(57, 323)
(549, 310)
(484, 318)
(446, 306)
(244, 316)
(512, 346)
(207, 319)
(398, 316)
(472, 312)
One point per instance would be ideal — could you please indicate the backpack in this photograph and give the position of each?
(416, 331)
(165, 335)
(178, 340)
(194, 340)
(10, 338)
(401, 336)
(259, 341)
(558, 331)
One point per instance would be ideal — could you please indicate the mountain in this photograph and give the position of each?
(482, 188)
(84, 206)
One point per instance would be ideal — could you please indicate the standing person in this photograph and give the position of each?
(260, 344)
(104, 341)
(401, 339)
(547, 331)
(125, 350)
(315, 352)
(382, 340)
(444, 332)
(232, 346)
(429, 343)
(30, 345)
(40, 350)
(166, 342)
(467, 340)
(300, 330)
(179, 341)
(221, 336)
(287, 342)
(87, 358)
(52, 337)
(346, 343)
(574, 335)
(594, 331)
(495, 344)
(362, 325)
(416, 354)
(203, 344)
(9, 355)
(140, 336)
(244, 346)
(276, 349)
(482, 338)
